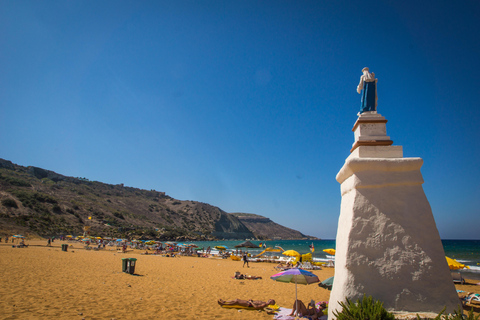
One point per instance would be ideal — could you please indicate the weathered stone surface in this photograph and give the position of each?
(388, 245)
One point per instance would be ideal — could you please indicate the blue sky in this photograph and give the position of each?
(246, 105)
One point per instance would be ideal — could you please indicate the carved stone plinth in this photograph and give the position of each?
(370, 130)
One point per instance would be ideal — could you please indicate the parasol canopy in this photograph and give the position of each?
(327, 283)
(297, 276)
(454, 264)
(330, 251)
(291, 253)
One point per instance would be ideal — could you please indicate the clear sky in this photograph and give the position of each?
(246, 105)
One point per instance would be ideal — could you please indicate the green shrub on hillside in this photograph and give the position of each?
(9, 203)
(119, 215)
(14, 181)
(30, 199)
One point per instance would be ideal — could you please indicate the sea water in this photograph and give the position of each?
(464, 251)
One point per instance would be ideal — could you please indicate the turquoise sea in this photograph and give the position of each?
(464, 251)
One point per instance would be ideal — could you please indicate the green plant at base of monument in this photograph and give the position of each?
(457, 315)
(365, 309)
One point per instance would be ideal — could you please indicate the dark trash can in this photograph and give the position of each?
(64, 247)
(131, 265)
(124, 264)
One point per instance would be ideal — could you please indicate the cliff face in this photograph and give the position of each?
(265, 228)
(38, 201)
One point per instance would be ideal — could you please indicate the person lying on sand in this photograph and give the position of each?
(300, 309)
(238, 275)
(282, 266)
(246, 303)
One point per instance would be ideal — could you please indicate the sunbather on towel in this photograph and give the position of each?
(238, 275)
(246, 303)
(300, 309)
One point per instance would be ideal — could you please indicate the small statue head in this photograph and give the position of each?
(365, 69)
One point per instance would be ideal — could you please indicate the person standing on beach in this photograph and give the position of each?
(245, 260)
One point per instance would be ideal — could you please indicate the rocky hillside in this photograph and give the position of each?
(263, 227)
(45, 203)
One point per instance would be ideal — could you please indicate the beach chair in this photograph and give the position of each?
(457, 278)
(307, 266)
(301, 265)
(473, 298)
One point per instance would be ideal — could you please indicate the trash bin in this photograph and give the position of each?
(131, 265)
(64, 247)
(124, 264)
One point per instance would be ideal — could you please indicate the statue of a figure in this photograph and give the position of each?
(368, 84)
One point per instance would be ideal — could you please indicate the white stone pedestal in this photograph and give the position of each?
(370, 130)
(387, 244)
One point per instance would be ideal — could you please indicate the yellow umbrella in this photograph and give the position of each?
(99, 238)
(330, 251)
(455, 265)
(291, 253)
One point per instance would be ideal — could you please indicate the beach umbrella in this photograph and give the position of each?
(221, 248)
(330, 251)
(18, 236)
(327, 283)
(69, 236)
(291, 253)
(455, 265)
(297, 276)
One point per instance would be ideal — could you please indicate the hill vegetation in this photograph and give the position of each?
(40, 202)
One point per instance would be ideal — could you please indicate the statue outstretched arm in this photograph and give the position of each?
(360, 85)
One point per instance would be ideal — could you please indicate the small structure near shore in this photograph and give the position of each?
(387, 242)
(246, 244)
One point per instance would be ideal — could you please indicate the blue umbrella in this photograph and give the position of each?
(296, 275)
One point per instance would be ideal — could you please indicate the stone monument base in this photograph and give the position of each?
(387, 243)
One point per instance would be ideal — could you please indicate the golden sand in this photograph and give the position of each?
(42, 282)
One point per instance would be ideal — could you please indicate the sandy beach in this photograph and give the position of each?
(42, 282)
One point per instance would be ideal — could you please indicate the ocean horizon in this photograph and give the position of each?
(464, 251)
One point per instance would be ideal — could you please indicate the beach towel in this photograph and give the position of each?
(235, 306)
(284, 314)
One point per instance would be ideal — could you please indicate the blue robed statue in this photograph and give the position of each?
(368, 88)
